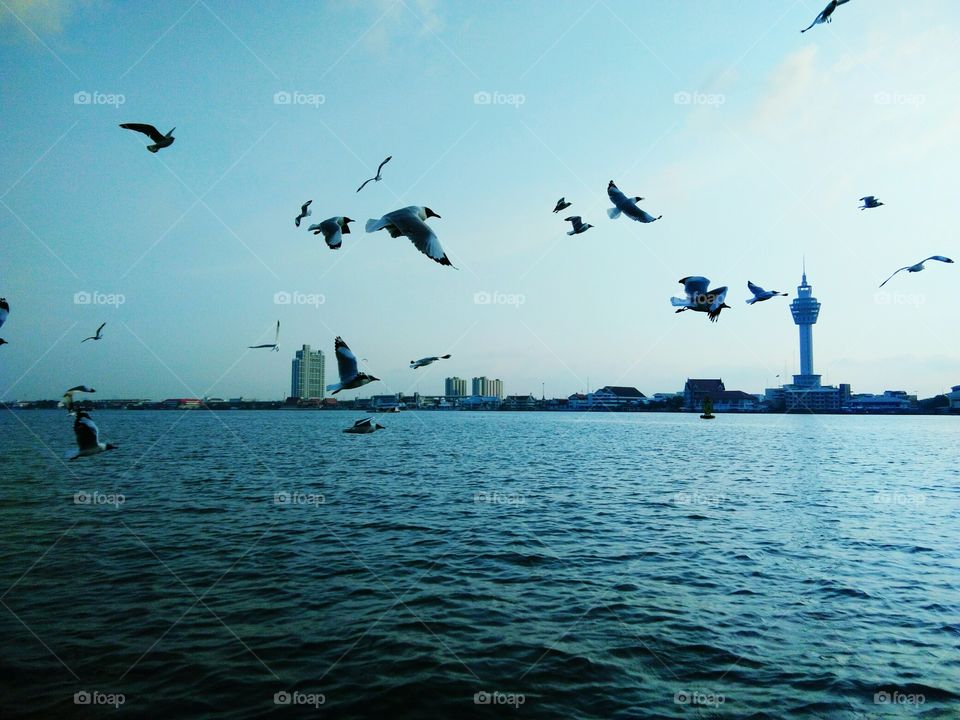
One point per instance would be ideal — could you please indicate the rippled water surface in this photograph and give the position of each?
(574, 565)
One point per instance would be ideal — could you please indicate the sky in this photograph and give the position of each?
(753, 141)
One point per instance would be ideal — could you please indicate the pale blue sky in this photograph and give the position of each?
(785, 132)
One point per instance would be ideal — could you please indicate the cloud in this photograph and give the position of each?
(44, 17)
(790, 85)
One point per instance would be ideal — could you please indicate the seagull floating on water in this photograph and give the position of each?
(578, 225)
(98, 336)
(699, 298)
(375, 178)
(275, 346)
(759, 294)
(918, 267)
(362, 427)
(333, 230)
(869, 202)
(304, 212)
(627, 206)
(825, 16)
(562, 204)
(411, 222)
(160, 140)
(350, 377)
(88, 436)
(67, 401)
(422, 362)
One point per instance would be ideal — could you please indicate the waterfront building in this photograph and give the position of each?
(696, 390)
(455, 387)
(890, 401)
(495, 388)
(307, 373)
(616, 397)
(953, 398)
(520, 402)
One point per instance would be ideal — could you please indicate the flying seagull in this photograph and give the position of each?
(98, 336)
(825, 16)
(699, 298)
(362, 427)
(869, 202)
(67, 401)
(627, 206)
(275, 346)
(332, 229)
(578, 225)
(562, 204)
(918, 267)
(304, 212)
(3, 342)
(88, 436)
(759, 294)
(160, 141)
(4, 310)
(375, 178)
(414, 364)
(411, 222)
(350, 377)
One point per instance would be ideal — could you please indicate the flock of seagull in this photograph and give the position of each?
(411, 222)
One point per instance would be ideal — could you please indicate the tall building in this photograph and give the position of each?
(306, 374)
(479, 386)
(495, 388)
(805, 310)
(455, 387)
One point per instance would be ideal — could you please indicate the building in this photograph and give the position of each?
(495, 388)
(478, 386)
(520, 402)
(953, 397)
(616, 397)
(487, 387)
(735, 401)
(307, 373)
(890, 401)
(455, 387)
(695, 391)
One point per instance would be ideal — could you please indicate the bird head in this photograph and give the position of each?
(637, 199)
(611, 184)
(429, 213)
(344, 226)
(3, 342)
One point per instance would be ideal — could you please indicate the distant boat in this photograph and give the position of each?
(707, 409)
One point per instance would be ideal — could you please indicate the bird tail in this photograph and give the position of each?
(571, 232)
(374, 225)
(152, 148)
(336, 387)
(679, 302)
(751, 301)
(613, 213)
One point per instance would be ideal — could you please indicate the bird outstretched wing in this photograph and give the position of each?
(346, 360)
(148, 130)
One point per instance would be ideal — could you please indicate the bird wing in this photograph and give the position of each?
(346, 360)
(304, 211)
(755, 289)
(618, 198)
(407, 222)
(380, 167)
(148, 130)
(576, 220)
(941, 258)
(331, 233)
(100, 328)
(86, 432)
(642, 215)
(891, 277)
(718, 295)
(868, 199)
(364, 184)
(276, 335)
(4, 311)
(694, 285)
(361, 423)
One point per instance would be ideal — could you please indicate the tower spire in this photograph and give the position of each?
(804, 270)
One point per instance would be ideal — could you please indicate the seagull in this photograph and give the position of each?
(562, 204)
(627, 206)
(332, 229)
(759, 294)
(375, 178)
(410, 221)
(578, 225)
(67, 401)
(4, 310)
(350, 378)
(362, 427)
(869, 202)
(918, 267)
(88, 436)
(414, 364)
(98, 336)
(160, 141)
(699, 299)
(275, 346)
(825, 15)
(3, 342)
(304, 212)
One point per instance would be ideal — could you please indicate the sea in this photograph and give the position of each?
(260, 564)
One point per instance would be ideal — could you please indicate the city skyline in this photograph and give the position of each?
(733, 145)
